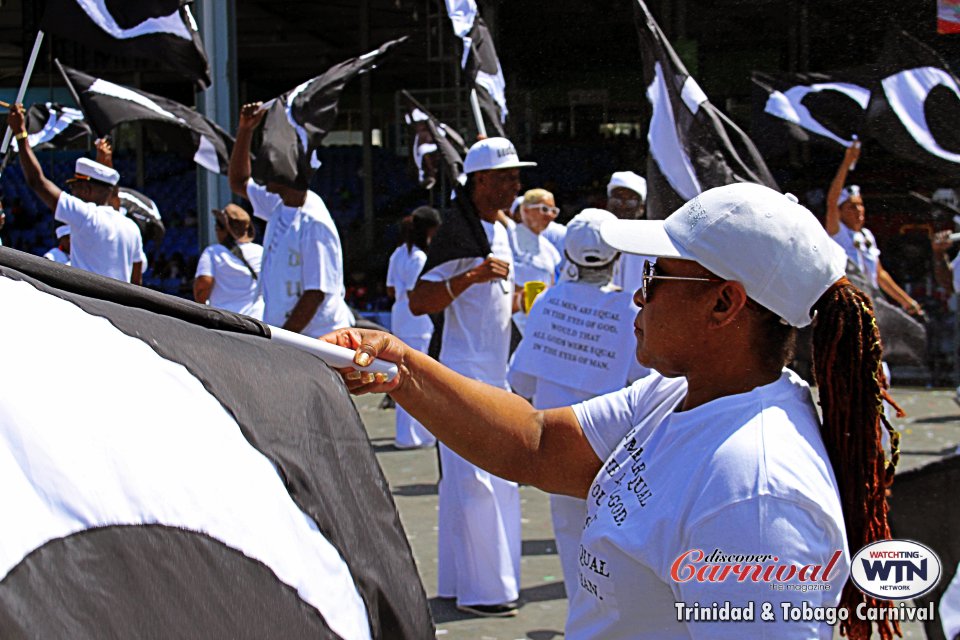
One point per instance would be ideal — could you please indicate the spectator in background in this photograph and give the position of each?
(103, 241)
(406, 263)
(302, 278)
(228, 272)
(61, 253)
(534, 258)
(627, 200)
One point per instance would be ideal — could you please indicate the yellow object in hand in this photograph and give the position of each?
(531, 290)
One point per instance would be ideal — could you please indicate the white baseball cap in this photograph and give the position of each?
(583, 243)
(749, 233)
(492, 154)
(848, 192)
(628, 180)
(87, 169)
(63, 230)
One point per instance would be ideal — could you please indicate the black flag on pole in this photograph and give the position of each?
(144, 212)
(428, 131)
(298, 121)
(693, 145)
(828, 109)
(160, 30)
(50, 125)
(107, 105)
(479, 61)
(192, 478)
(915, 107)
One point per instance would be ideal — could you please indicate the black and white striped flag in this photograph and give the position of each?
(480, 62)
(160, 30)
(298, 121)
(107, 105)
(693, 145)
(810, 107)
(53, 125)
(915, 106)
(177, 474)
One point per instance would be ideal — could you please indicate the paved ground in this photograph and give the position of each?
(931, 430)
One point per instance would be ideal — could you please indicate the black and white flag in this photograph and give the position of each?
(144, 212)
(298, 121)
(160, 30)
(430, 135)
(53, 125)
(693, 145)
(178, 474)
(915, 107)
(107, 105)
(480, 62)
(811, 107)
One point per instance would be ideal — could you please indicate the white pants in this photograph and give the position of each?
(479, 534)
(568, 514)
(410, 433)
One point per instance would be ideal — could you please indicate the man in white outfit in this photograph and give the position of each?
(61, 253)
(302, 275)
(479, 529)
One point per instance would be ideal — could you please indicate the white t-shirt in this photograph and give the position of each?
(402, 273)
(743, 474)
(476, 326)
(301, 253)
(57, 255)
(861, 248)
(234, 289)
(102, 240)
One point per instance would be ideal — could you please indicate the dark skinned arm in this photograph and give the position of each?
(202, 286)
(47, 191)
(303, 312)
(433, 297)
(240, 169)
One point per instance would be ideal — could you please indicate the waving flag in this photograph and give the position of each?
(300, 119)
(430, 135)
(107, 105)
(479, 61)
(192, 479)
(915, 107)
(159, 30)
(812, 107)
(53, 125)
(693, 145)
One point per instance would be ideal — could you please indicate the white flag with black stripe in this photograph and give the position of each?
(191, 478)
(915, 106)
(160, 30)
(300, 119)
(480, 62)
(107, 105)
(693, 145)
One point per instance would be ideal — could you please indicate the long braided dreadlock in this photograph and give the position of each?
(847, 370)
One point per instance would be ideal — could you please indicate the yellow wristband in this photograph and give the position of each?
(21, 135)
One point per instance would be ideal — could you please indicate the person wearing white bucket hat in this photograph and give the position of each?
(478, 536)
(726, 455)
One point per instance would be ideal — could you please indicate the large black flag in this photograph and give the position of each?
(160, 30)
(809, 107)
(179, 474)
(298, 121)
(107, 105)
(693, 145)
(479, 61)
(915, 107)
(144, 212)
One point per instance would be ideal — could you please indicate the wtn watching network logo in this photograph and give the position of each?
(895, 569)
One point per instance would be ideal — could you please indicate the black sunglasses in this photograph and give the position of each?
(651, 273)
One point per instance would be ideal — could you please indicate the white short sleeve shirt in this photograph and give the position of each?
(402, 274)
(234, 288)
(301, 252)
(102, 240)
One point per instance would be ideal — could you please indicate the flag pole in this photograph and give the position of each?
(477, 115)
(330, 353)
(23, 87)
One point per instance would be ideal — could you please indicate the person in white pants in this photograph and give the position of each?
(554, 381)
(406, 263)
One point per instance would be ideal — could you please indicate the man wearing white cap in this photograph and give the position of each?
(479, 526)
(103, 241)
(725, 454)
(626, 199)
(599, 360)
(61, 253)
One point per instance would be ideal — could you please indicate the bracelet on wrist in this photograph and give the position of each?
(20, 136)
(446, 283)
